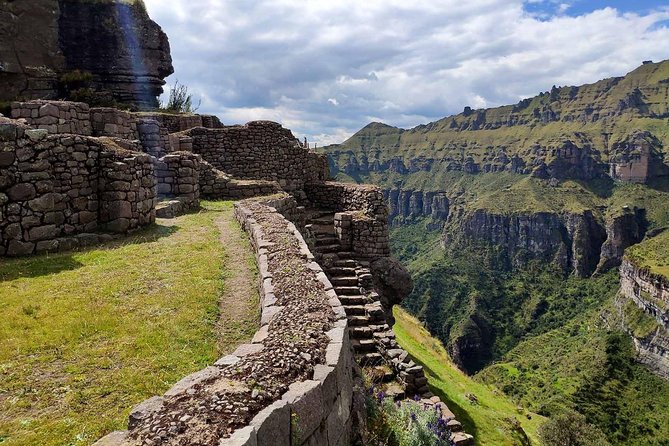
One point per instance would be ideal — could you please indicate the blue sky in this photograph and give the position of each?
(579, 7)
(325, 69)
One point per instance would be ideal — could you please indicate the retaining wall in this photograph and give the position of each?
(293, 385)
(53, 187)
(261, 150)
(55, 116)
(361, 215)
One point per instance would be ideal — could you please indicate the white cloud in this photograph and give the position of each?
(325, 69)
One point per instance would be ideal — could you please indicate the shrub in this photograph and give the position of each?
(180, 100)
(406, 423)
(571, 429)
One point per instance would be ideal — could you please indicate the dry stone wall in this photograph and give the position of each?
(300, 361)
(260, 150)
(361, 218)
(113, 122)
(55, 188)
(55, 116)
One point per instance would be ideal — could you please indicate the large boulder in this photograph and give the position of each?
(393, 281)
(126, 54)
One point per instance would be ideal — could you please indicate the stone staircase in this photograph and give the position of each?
(373, 340)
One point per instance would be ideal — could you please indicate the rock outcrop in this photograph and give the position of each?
(408, 205)
(126, 54)
(622, 231)
(571, 241)
(650, 293)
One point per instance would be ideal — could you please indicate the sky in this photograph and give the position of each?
(326, 68)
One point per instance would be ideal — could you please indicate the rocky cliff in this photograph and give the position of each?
(408, 205)
(125, 53)
(578, 243)
(649, 292)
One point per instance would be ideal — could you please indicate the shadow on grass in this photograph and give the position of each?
(53, 263)
(468, 423)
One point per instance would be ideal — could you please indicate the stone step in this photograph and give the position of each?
(355, 310)
(344, 281)
(329, 249)
(353, 299)
(324, 220)
(346, 255)
(363, 345)
(346, 263)
(341, 271)
(358, 321)
(369, 359)
(327, 241)
(347, 290)
(361, 333)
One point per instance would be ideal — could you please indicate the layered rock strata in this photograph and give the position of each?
(127, 54)
(650, 293)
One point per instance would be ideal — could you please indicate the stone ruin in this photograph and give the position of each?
(73, 176)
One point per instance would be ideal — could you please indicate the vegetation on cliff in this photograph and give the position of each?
(90, 333)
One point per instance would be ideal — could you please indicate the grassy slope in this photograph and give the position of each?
(489, 420)
(86, 335)
(653, 254)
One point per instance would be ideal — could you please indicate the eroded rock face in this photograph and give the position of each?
(622, 231)
(407, 205)
(394, 282)
(126, 52)
(637, 158)
(650, 292)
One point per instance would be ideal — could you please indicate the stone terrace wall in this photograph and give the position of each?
(113, 122)
(175, 123)
(56, 187)
(127, 190)
(361, 218)
(179, 177)
(312, 405)
(260, 150)
(55, 116)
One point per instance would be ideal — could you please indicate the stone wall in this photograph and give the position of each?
(55, 116)
(260, 150)
(308, 400)
(361, 218)
(113, 122)
(55, 187)
(127, 190)
(175, 123)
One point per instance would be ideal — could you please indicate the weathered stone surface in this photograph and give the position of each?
(46, 38)
(306, 403)
(272, 424)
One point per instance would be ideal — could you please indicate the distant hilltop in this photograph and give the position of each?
(56, 49)
(612, 128)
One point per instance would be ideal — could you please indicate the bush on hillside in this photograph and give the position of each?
(571, 429)
(405, 423)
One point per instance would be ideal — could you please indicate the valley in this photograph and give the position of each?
(535, 234)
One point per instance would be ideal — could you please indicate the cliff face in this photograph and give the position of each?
(650, 293)
(127, 54)
(407, 205)
(578, 243)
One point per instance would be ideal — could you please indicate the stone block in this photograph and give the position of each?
(193, 380)
(247, 349)
(22, 192)
(19, 248)
(272, 425)
(306, 403)
(245, 436)
(327, 376)
(117, 438)
(144, 410)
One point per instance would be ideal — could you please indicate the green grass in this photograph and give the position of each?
(86, 335)
(653, 254)
(492, 421)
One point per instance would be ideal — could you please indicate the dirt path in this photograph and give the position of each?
(239, 306)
